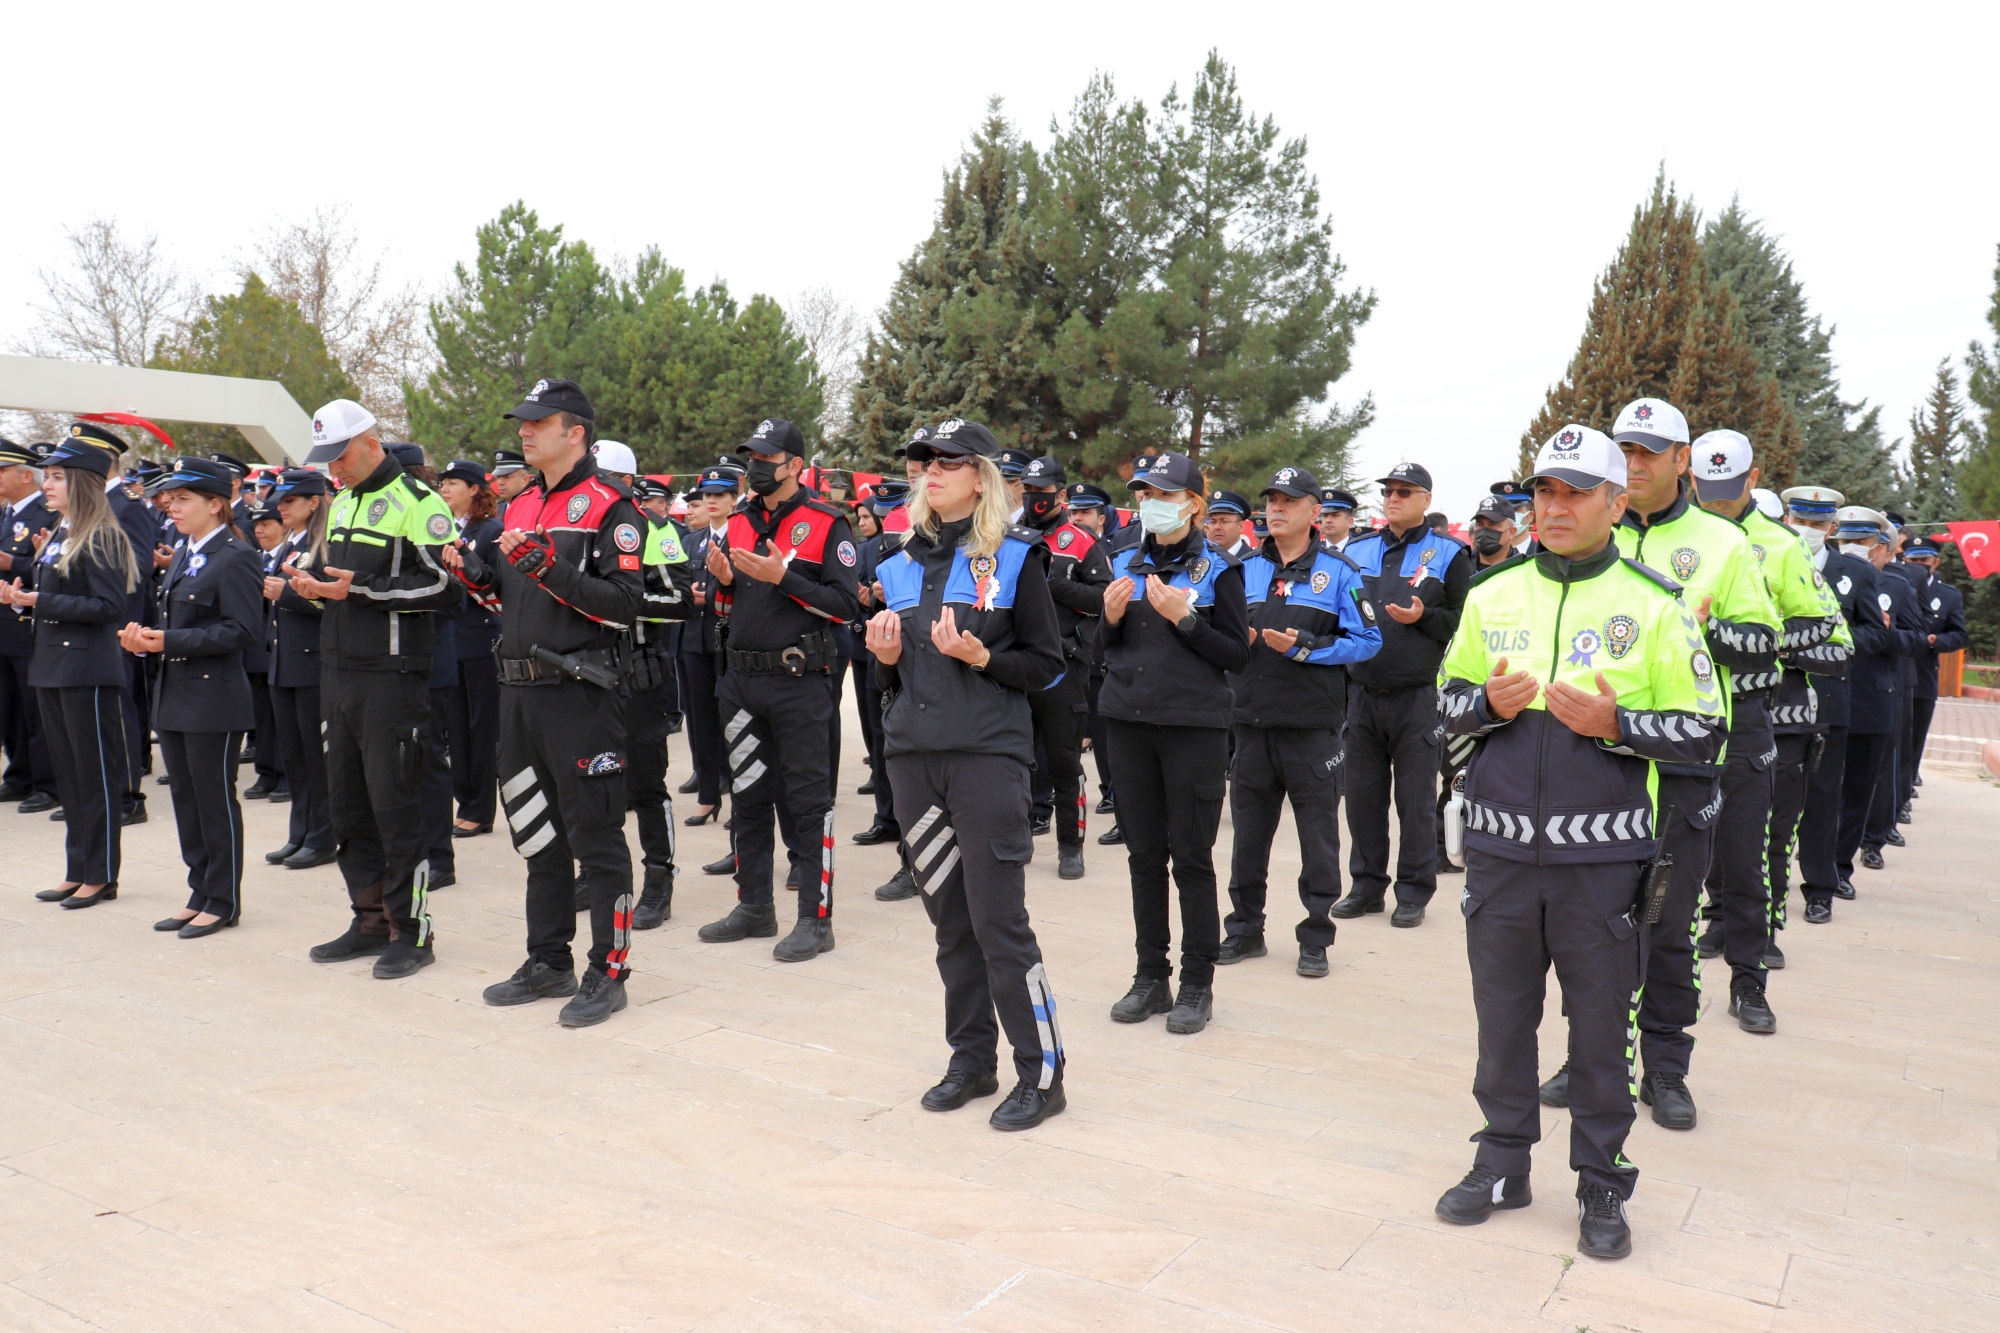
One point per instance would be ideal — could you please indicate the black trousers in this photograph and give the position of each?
(270, 762)
(376, 734)
(439, 848)
(1061, 713)
(647, 717)
(1518, 920)
(89, 748)
(778, 735)
(1867, 758)
(704, 726)
(21, 730)
(863, 670)
(1789, 781)
(1819, 822)
(472, 736)
(1270, 764)
(563, 760)
(1739, 888)
(1171, 781)
(1889, 785)
(1099, 731)
(1392, 747)
(201, 774)
(135, 701)
(965, 818)
(295, 716)
(870, 702)
(1921, 713)
(1671, 1003)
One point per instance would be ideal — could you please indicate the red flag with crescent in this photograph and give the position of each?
(1979, 544)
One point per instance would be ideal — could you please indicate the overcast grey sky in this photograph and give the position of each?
(1481, 162)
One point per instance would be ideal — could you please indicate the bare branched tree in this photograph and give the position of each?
(834, 333)
(115, 302)
(376, 335)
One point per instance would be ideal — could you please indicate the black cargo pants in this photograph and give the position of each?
(377, 733)
(776, 729)
(1270, 764)
(1392, 747)
(1739, 887)
(1688, 810)
(1062, 716)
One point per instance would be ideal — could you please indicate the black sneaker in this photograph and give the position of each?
(1112, 838)
(1844, 890)
(1555, 1092)
(1350, 907)
(725, 865)
(810, 938)
(1774, 957)
(901, 887)
(1193, 1007)
(1602, 1231)
(597, 999)
(1482, 1193)
(353, 944)
(743, 922)
(656, 902)
(402, 959)
(1238, 947)
(1039, 825)
(1148, 996)
(958, 1087)
(1312, 961)
(1709, 943)
(532, 980)
(1871, 857)
(1027, 1106)
(1750, 1007)
(1667, 1094)
(1069, 862)
(1819, 911)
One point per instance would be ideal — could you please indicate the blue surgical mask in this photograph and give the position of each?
(1161, 517)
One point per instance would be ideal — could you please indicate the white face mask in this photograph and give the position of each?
(1859, 550)
(1814, 539)
(1161, 517)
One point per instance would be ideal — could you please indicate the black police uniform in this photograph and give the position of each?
(958, 743)
(872, 552)
(375, 664)
(1290, 708)
(1392, 732)
(1897, 768)
(563, 740)
(777, 698)
(472, 726)
(1079, 572)
(295, 707)
(29, 772)
(1880, 713)
(212, 613)
(268, 760)
(1852, 581)
(697, 669)
(665, 602)
(1946, 608)
(440, 848)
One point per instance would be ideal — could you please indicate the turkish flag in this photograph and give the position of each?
(1979, 544)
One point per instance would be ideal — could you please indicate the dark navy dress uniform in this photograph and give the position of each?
(295, 706)
(28, 769)
(1945, 606)
(472, 719)
(1852, 582)
(697, 670)
(1877, 715)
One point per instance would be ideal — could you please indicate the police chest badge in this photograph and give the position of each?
(1685, 561)
(376, 512)
(1620, 633)
(1064, 539)
(1936, 602)
(800, 531)
(20, 532)
(1199, 569)
(579, 505)
(438, 526)
(1320, 579)
(1704, 670)
(982, 566)
(1759, 550)
(1584, 646)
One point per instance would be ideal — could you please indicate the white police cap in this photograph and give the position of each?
(1653, 422)
(1817, 503)
(336, 424)
(1581, 457)
(613, 456)
(1721, 464)
(1768, 503)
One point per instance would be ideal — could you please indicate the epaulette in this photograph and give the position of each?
(611, 483)
(1651, 573)
(1339, 555)
(414, 484)
(1491, 570)
(829, 510)
(1032, 536)
(891, 543)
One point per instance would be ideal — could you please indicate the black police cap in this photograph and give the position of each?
(1014, 462)
(774, 435)
(409, 455)
(300, 481)
(1408, 474)
(1168, 472)
(1044, 471)
(1332, 497)
(98, 434)
(466, 471)
(236, 465)
(956, 438)
(203, 475)
(717, 479)
(549, 397)
(1295, 482)
(1228, 502)
(1083, 495)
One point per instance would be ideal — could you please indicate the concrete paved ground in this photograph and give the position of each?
(222, 1135)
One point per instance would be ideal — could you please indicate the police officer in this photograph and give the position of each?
(511, 475)
(440, 847)
(1578, 672)
(379, 581)
(968, 635)
(666, 602)
(1309, 619)
(211, 613)
(1078, 575)
(887, 497)
(1947, 634)
(1089, 509)
(1416, 580)
(1494, 536)
(1336, 516)
(303, 499)
(710, 503)
(472, 727)
(1013, 464)
(1744, 905)
(1228, 517)
(1883, 814)
(783, 577)
(25, 520)
(1876, 683)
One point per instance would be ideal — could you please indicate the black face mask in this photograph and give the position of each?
(763, 475)
(1040, 509)
(1487, 541)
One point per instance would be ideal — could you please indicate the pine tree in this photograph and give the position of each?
(1979, 474)
(1840, 442)
(252, 335)
(1926, 483)
(1661, 326)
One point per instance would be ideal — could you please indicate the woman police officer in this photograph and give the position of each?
(302, 497)
(1175, 622)
(968, 629)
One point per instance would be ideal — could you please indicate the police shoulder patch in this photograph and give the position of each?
(845, 554)
(438, 526)
(601, 765)
(625, 537)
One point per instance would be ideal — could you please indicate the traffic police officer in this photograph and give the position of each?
(667, 600)
(1579, 672)
(1309, 619)
(379, 581)
(1416, 581)
(1947, 634)
(783, 577)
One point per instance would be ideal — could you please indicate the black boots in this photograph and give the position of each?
(656, 903)
(810, 938)
(1407, 915)
(597, 999)
(1555, 1092)
(743, 922)
(897, 889)
(1238, 947)
(1148, 996)
(1069, 862)
(1749, 1006)
(1350, 907)
(1193, 1007)
(1483, 1192)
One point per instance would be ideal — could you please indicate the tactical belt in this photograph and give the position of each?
(528, 671)
(813, 652)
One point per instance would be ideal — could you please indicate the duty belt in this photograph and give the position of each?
(529, 671)
(813, 652)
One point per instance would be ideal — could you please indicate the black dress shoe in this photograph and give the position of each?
(743, 922)
(1238, 947)
(957, 1087)
(38, 802)
(897, 889)
(1818, 911)
(690, 787)
(58, 816)
(597, 999)
(191, 931)
(1407, 915)
(278, 857)
(1039, 825)
(14, 791)
(1027, 1106)
(878, 832)
(1844, 890)
(172, 923)
(811, 937)
(697, 820)
(459, 831)
(1069, 862)
(866, 789)
(57, 895)
(1871, 857)
(1895, 838)
(136, 815)
(726, 865)
(1602, 1232)
(1111, 839)
(279, 797)
(306, 858)
(162, 780)
(1902, 816)
(103, 895)
(532, 980)
(441, 879)
(1108, 806)
(1555, 1092)
(1148, 996)
(353, 944)
(1482, 1193)
(257, 791)
(1672, 1103)
(1709, 943)
(1350, 907)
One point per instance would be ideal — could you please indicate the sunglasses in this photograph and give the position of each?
(942, 462)
(1401, 492)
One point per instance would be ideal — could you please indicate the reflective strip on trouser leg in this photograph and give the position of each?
(420, 901)
(932, 854)
(621, 937)
(1081, 826)
(527, 808)
(826, 866)
(1042, 997)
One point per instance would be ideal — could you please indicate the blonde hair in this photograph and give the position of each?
(93, 528)
(991, 510)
